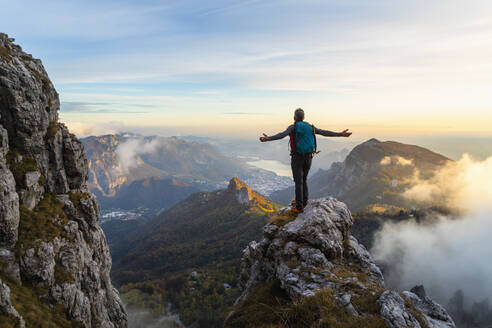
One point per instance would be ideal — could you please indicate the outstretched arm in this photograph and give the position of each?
(327, 133)
(278, 135)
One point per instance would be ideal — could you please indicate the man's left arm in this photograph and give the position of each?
(327, 133)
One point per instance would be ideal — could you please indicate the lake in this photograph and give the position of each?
(271, 165)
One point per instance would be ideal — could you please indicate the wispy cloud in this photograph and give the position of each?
(382, 57)
(101, 107)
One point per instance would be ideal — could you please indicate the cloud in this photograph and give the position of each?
(101, 107)
(128, 152)
(444, 253)
(396, 160)
(444, 256)
(84, 129)
(463, 185)
(243, 113)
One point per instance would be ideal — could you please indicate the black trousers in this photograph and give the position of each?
(300, 168)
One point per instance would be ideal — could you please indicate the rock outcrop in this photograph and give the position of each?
(314, 254)
(53, 255)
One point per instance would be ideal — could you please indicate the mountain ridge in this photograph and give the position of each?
(192, 251)
(374, 172)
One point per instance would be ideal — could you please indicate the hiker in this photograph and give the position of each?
(302, 147)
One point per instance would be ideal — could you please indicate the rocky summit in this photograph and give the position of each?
(308, 271)
(54, 259)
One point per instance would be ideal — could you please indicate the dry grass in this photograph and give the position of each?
(26, 300)
(19, 169)
(269, 306)
(282, 219)
(44, 223)
(417, 315)
(75, 197)
(5, 55)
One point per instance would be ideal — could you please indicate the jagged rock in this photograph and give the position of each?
(10, 265)
(394, 311)
(242, 191)
(33, 193)
(315, 252)
(68, 254)
(433, 314)
(419, 291)
(300, 253)
(9, 199)
(6, 307)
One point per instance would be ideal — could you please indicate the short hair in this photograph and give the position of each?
(299, 115)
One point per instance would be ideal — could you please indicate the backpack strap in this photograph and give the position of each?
(293, 140)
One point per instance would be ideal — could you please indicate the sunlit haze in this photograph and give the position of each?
(238, 68)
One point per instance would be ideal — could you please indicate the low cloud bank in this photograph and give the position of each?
(444, 253)
(396, 160)
(129, 151)
(143, 318)
(83, 129)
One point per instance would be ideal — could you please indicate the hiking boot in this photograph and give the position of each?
(296, 210)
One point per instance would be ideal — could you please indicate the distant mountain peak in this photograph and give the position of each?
(237, 184)
(244, 194)
(372, 141)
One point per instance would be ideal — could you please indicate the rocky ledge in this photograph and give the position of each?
(54, 259)
(308, 271)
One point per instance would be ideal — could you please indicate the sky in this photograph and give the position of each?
(383, 68)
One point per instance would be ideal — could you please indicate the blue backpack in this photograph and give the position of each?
(304, 140)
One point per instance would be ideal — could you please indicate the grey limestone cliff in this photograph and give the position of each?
(51, 246)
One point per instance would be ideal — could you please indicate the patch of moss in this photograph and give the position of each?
(63, 276)
(75, 197)
(366, 302)
(282, 219)
(343, 271)
(5, 55)
(20, 168)
(45, 222)
(26, 299)
(53, 129)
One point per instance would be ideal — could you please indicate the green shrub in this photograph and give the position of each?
(75, 197)
(53, 129)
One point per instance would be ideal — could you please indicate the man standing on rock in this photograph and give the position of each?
(302, 147)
